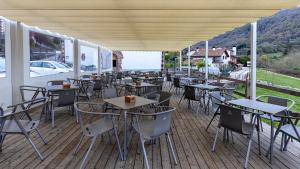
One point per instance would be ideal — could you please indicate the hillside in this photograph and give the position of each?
(277, 33)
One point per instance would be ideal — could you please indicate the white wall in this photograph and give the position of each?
(5, 83)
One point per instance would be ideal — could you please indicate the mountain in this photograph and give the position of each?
(277, 33)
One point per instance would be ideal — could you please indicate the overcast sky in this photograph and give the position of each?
(141, 60)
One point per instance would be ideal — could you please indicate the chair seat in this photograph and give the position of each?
(11, 126)
(247, 128)
(98, 127)
(146, 129)
(289, 130)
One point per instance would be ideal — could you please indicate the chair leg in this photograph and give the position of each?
(88, 152)
(216, 138)
(248, 152)
(261, 126)
(210, 121)
(34, 147)
(258, 139)
(171, 147)
(170, 88)
(232, 137)
(109, 137)
(181, 98)
(2, 137)
(41, 136)
(52, 118)
(118, 142)
(144, 151)
(78, 145)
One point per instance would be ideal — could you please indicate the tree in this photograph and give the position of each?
(244, 60)
(200, 63)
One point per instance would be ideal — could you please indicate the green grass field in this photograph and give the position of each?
(278, 79)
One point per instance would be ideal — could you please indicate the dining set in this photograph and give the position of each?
(97, 114)
(240, 115)
(118, 105)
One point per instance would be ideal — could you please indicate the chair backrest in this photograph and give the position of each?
(55, 82)
(92, 112)
(228, 93)
(32, 92)
(164, 99)
(88, 88)
(26, 108)
(176, 82)
(110, 92)
(74, 81)
(285, 102)
(85, 76)
(163, 119)
(119, 75)
(278, 101)
(98, 84)
(189, 93)
(231, 118)
(169, 78)
(216, 99)
(65, 97)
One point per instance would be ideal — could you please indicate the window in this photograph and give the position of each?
(2, 49)
(88, 58)
(47, 65)
(49, 54)
(36, 64)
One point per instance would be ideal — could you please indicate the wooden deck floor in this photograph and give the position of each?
(192, 144)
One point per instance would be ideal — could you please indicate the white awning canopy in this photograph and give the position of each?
(141, 24)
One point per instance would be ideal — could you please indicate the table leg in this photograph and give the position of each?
(271, 140)
(125, 136)
(258, 132)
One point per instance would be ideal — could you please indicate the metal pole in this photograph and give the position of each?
(253, 61)
(189, 61)
(206, 60)
(180, 60)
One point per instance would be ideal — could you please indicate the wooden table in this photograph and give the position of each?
(120, 103)
(268, 108)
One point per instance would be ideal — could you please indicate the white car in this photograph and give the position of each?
(42, 68)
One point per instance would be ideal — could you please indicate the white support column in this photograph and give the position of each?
(99, 60)
(253, 60)
(76, 59)
(206, 60)
(17, 60)
(189, 61)
(180, 60)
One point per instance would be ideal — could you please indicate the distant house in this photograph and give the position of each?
(217, 55)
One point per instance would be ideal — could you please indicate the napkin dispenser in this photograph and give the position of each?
(66, 85)
(130, 99)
